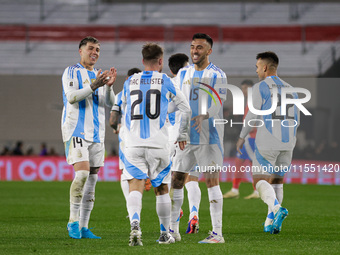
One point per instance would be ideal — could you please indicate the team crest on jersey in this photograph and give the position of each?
(71, 84)
(223, 91)
(196, 81)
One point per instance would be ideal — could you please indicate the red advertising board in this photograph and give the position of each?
(57, 169)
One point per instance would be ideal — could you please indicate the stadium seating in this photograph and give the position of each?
(33, 35)
(233, 13)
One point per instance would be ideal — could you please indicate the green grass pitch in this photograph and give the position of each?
(34, 217)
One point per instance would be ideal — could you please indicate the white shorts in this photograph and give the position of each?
(194, 173)
(78, 150)
(173, 148)
(271, 162)
(146, 162)
(199, 157)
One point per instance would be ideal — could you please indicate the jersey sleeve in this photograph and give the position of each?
(118, 102)
(182, 104)
(109, 96)
(71, 87)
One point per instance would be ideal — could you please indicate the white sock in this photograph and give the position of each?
(267, 194)
(163, 207)
(124, 184)
(76, 193)
(134, 205)
(194, 197)
(177, 202)
(270, 217)
(88, 201)
(235, 190)
(216, 208)
(278, 191)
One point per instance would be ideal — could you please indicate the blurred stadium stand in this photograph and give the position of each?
(30, 30)
(39, 39)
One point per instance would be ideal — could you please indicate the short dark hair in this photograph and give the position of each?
(203, 36)
(247, 82)
(152, 52)
(270, 56)
(133, 71)
(177, 61)
(87, 39)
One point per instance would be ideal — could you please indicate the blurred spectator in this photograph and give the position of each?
(333, 151)
(18, 149)
(114, 152)
(30, 152)
(43, 151)
(309, 151)
(53, 152)
(5, 151)
(327, 151)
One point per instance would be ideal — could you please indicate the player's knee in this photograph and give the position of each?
(211, 182)
(177, 181)
(161, 190)
(94, 170)
(77, 186)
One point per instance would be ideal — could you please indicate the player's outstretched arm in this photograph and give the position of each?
(185, 110)
(198, 121)
(114, 118)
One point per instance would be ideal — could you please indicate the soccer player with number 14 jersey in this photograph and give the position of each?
(83, 130)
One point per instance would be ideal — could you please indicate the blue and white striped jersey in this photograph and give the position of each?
(147, 95)
(275, 131)
(205, 91)
(86, 118)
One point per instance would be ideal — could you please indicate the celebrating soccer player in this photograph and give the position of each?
(83, 129)
(203, 85)
(275, 139)
(147, 154)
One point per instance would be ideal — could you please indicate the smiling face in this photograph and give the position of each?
(89, 54)
(200, 50)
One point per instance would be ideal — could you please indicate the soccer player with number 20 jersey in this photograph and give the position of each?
(147, 155)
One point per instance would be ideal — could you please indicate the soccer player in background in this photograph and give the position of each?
(147, 154)
(176, 62)
(83, 130)
(274, 141)
(116, 113)
(247, 153)
(200, 83)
